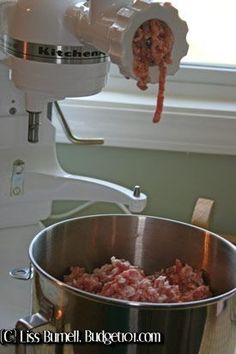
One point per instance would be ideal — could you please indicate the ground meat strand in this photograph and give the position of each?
(160, 96)
(122, 280)
(152, 45)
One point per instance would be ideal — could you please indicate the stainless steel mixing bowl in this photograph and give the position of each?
(200, 327)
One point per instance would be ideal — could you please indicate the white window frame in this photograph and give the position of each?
(199, 113)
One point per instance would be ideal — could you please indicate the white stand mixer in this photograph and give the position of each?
(52, 49)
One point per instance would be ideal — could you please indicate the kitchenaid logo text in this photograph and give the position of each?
(74, 53)
(16, 336)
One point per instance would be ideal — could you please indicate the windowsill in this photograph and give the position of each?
(197, 117)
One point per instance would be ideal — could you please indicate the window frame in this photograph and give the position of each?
(199, 112)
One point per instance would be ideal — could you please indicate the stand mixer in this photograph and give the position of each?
(49, 50)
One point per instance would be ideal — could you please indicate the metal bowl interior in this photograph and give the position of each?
(149, 242)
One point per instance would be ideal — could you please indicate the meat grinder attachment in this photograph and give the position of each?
(113, 30)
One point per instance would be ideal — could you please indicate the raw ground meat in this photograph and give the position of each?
(122, 280)
(152, 45)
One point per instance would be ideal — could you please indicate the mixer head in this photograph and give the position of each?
(65, 53)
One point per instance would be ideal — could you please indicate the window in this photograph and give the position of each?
(200, 102)
(211, 31)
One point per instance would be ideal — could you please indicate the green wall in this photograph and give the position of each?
(172, 180)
